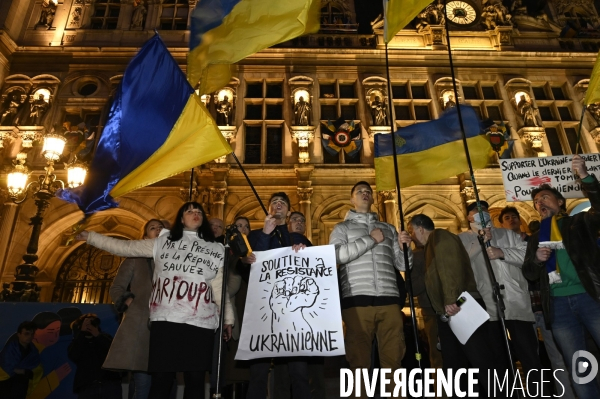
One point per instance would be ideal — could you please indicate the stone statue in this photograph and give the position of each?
(450, 103)
(224, 112)
(495, 15)
(47, 14)
(529, 114)
(594, 110)
(433, 14)
(38, 109)
(378, 112)
(5, 293)
(139, 13)
(302, 112)
(9, 116)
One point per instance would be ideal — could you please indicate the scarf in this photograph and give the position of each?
(549, 231)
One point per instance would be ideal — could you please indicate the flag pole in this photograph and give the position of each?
(191, 184)
(407, 269)
(500, 306)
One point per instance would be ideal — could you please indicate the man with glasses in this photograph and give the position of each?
(564, 257)
(369, 256)
(275, 234)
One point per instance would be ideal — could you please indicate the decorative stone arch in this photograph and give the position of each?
(444, 214)
(526, 211)
(572, 203)
(248, 207)
(329, 213)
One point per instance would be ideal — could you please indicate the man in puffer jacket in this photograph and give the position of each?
(369, 256)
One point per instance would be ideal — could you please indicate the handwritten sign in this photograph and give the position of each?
(181, 290)
(522, 175)
(293, 305)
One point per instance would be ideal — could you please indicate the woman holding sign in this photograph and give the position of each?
(186, 291)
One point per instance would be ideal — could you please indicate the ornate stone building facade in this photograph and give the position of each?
(528, 68)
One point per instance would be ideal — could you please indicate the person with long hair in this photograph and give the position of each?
(130, 291)
(185, 298)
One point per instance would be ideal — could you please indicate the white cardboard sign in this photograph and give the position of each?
(521, 175)
(293, 305)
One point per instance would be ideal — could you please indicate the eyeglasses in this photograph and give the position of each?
(194, 212)
(298, 220)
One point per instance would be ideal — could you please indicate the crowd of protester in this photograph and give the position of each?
(550, 293)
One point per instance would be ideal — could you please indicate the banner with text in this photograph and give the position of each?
(522, 175)
(293, 305)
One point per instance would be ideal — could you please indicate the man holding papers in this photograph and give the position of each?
(448, 274)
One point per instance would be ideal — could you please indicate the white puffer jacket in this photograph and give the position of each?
(367, 268)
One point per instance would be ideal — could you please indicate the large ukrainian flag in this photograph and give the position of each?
(157, 127)
(224, 32)
(430, 151)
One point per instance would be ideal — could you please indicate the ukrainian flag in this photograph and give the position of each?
(224, 32)
(430, 151)
(593, 91)
(157, 127)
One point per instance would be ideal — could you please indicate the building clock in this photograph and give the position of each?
(461, 12)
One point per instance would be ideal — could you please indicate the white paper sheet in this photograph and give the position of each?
(469, 319)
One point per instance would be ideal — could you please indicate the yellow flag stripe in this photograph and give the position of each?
(431, 165)
(194, 140)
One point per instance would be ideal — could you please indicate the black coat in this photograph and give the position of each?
(88, 354)
(579, 234)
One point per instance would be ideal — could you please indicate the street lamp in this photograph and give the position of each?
(42, 190)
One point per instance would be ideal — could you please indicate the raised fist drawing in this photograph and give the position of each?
(290, 296)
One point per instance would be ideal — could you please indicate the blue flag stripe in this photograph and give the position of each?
(426, 135)
(207, 15)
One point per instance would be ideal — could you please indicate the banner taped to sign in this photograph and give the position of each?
(521, 175)
(293, 305)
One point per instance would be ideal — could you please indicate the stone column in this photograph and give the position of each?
(217, 200)
(388, 198)
(8, 217)
(305, 207)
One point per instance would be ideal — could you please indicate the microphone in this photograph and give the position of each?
(445, 317)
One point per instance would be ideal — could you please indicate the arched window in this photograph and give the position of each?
(86, 276)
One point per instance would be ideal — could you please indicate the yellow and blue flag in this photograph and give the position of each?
(398, 13)
(224, 32)
(593, 91)
(157, 127)
(430, 151)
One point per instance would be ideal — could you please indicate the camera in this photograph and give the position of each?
(79, 322)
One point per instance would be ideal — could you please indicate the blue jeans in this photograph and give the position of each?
(142, 383)
(556, 358)
(572, 314)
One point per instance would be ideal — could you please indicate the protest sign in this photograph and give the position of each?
(520, 176)
(293, 305)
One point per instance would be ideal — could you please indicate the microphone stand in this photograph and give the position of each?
(217, 394)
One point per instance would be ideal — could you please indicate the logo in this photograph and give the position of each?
(584, 367)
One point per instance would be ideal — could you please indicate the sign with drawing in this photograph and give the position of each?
(293, 305)
(521, 175)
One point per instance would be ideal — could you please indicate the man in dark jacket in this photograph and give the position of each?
(88, 351)
(569, 274)
(275, 234)
(448, 274)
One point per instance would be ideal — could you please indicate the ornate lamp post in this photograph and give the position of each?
(24, 288)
